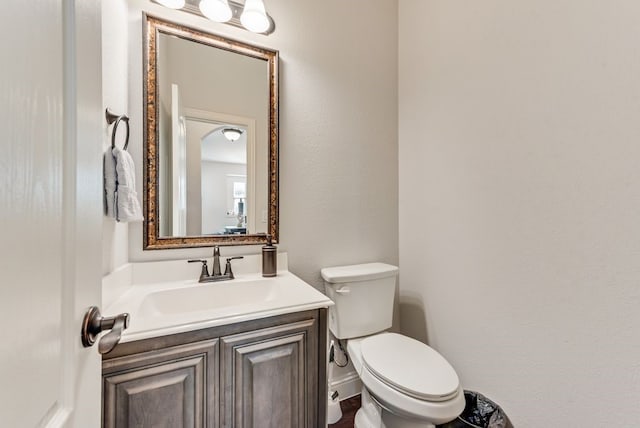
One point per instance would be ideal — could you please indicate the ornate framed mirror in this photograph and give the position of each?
(211, 139)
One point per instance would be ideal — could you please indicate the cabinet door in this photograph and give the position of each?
(270, 377)
(173, 388)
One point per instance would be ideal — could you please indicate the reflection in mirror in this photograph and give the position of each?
(211, 171)
(210, 196)
(223, 179)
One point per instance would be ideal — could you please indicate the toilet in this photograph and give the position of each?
(405, 383)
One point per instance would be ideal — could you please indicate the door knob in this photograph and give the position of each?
(94, 323)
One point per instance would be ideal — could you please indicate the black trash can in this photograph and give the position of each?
(479, 412)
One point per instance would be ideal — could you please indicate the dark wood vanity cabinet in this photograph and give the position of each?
(173, 387)
(268, 375)
(261, 374)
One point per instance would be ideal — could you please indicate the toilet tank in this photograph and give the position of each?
(363, 296)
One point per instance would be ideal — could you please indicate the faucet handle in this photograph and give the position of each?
(204, 273)
(227, 268)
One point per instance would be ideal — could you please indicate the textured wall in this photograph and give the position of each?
(338, 130)
(520, 162)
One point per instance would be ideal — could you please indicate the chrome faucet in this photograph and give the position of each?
(216, 275)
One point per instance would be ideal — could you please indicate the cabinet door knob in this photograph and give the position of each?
(94, 324)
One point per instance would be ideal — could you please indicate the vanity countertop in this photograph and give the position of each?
(173, 305)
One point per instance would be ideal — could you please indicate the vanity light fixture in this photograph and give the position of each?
(216, 10)
(172, 4)
(250, 16)
(254, 17)
(232, 134)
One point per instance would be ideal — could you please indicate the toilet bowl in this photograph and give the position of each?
(413, 385)
(406, 384)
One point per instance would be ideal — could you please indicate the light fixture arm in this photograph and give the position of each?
(192, 6)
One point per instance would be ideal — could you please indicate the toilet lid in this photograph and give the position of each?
(410, 367)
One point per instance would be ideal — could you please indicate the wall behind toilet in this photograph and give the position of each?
(520, 156)
(338, 129)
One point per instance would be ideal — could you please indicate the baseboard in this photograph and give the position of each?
(347, 385)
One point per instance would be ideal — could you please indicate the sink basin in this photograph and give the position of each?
(179, 305)
(208, 297)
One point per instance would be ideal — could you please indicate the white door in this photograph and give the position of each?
(50, 211)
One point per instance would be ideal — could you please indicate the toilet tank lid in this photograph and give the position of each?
(353, 273)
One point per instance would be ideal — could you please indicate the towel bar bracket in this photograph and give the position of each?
(116, 119)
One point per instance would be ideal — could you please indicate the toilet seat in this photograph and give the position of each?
(410, 367)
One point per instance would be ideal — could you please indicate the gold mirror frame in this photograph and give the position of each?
(151, 229)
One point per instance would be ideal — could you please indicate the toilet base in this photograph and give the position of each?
(362, 421)
(372, 415)
(369, 415)
(394, 421)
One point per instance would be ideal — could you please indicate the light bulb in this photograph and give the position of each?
(172, 4)
(254, 18)
(216, 10)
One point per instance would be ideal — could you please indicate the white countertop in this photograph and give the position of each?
(160, 308)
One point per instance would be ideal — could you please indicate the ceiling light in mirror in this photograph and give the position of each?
(216, 10)
(173, 4)
(254, 17)
(232, 134)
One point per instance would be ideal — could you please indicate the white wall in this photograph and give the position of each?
(339, 152)
(115, 96)
(338, 130)
(520, 201)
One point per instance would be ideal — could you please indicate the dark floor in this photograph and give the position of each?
(349, 408)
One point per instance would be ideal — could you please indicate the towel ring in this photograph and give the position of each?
(111, 118)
